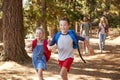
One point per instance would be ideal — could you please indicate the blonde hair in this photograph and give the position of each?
(41, 29)
(103, 20)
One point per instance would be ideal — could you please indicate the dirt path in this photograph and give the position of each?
(105, 66)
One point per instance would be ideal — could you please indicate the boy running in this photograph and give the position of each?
(66, 41)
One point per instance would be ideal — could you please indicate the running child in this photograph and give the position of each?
(66, 41)
(41, 54)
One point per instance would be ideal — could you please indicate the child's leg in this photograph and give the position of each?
(40, 74)
(63, 73)
(65, 67)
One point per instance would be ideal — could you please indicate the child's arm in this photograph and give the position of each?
(51, 44)
(79, 37)
(52, 48)
(28, 48)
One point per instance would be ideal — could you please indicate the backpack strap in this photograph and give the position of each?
(105, 27)
(46, 51)
(75, 44)
(74, 38)
(80, 54)
(34, 42)
(57, 36)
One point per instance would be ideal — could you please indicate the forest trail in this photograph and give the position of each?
(99, 66)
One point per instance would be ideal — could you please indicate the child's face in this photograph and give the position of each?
(39, 34)
(64, 26)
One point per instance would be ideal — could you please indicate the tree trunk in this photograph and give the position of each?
(1, 31)
(44, 22)
(13, 32)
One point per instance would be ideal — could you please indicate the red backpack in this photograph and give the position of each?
(46, 51)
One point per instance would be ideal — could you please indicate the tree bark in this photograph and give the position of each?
(1, 31)
(44, 22)
(13, 32)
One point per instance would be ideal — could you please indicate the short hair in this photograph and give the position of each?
(65, 19)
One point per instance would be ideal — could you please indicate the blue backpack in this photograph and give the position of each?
(72, 35)
(75, 39)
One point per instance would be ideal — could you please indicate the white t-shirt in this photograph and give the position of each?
(65, 47)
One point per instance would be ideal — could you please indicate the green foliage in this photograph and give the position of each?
(73, 9)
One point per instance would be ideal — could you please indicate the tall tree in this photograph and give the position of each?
(43, 18)
(44, 24)
(1, 31)
(13, 31)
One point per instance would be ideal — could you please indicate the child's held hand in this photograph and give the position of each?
(49, 47)
(48, 40)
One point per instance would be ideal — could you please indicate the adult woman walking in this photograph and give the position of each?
(102, 32)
